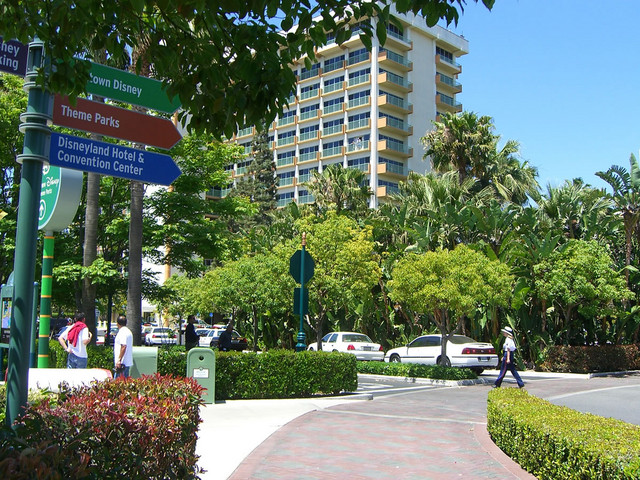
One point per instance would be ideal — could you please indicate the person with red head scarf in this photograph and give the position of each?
(74, 340)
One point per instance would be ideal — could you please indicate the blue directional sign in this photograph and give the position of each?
(89, 155)
(13, 57)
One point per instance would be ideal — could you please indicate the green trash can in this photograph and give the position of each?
(201, 366)
(145, 361)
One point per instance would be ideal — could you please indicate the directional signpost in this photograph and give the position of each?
(13, 57)
(108, 159)
(301, 268)
(115, 122)
(130, 88)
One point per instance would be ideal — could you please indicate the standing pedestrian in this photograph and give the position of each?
(74, 340)
(508, 359)
(191, 338)
(123, 348)
(224, 341)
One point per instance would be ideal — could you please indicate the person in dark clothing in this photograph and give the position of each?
(224, 342)
(191, 338)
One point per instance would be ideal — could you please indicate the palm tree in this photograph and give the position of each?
(344, 189)
(463, 142)
(626, 198)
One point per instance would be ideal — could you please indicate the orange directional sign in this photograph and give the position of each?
(104, 119)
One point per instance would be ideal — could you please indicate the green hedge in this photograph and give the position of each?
(415, 370)
(554, 442)
(602, 358)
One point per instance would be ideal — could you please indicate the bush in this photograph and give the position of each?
(126, 428)
(601, 358)
(554, 442)
(436, 372)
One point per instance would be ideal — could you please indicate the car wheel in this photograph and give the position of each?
(395, 358)
(444, 362)
(334, 350)
(311, 349)
(477, 370)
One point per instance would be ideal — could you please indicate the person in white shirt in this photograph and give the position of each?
(74, 340)
(508, 360)
(123, 348)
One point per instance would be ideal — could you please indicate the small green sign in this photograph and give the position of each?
(124, 86)
(59, 197)
(295, 266)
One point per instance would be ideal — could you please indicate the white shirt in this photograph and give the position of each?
(80, 350)
(124, 337)
(509, 344)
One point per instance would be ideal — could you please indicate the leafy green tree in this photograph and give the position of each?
(447, 286)
(229, 63)
(344, 189)
(580, 279)
(346, 268)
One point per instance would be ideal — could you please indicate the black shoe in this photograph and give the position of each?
(521, 386)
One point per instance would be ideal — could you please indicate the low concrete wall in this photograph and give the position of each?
(51, 378)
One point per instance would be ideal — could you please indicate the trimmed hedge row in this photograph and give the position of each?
(127, 428)
(436, 372)
(601, 358)
(555, 442)
(272, 374)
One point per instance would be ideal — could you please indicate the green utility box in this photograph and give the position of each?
(145, 361)
(201, 366)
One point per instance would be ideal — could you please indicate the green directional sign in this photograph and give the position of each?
(59, 197)
(124, 86)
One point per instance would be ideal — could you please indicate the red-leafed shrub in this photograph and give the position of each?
(127, 428)
(591, 359)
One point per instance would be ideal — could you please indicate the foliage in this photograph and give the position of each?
(436, 372)
(143, 428)
(556, 442)
(343, 189)
(600, 358)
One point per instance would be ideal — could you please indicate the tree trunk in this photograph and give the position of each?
(255, 328)
(90, 250)
(134, 280)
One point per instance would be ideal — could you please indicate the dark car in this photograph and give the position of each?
(238, 342)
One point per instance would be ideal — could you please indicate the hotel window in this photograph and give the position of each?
(333, 84)
(306, 174)
(444, 54)
(360, 163)
(309, 153)
(309, 112)
(360, 98)
(394, 143)
(286, 178)
(332, 127)
(361, 76)
(393, 166)
(393, 121)
(334, 63)
(310, 72)
(396, 32)
(305, 197)
(286, 138)
(284, 198)
(357, 56)
(243, 167)
(359, 142)
(308, 133)
(285, 158)
(310, 91)
(360, 120)
(287, 118)
(247, 148)
(333, 105)
(332, 148)
(392, 187)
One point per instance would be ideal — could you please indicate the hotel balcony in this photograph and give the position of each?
(447, 84)
(331, 49)
(394, 104)
(390, 80)
(359, 124)
(390, 148)
(394, 171)
(358, 146)
(385, 192)
(388, 125)
(307, 137)
(286, 182)
(218, 192)
(391, 59)
(335, 130)
(398, 41)
(447, 66)
(333, 152)
(309, 157)
(447, 104)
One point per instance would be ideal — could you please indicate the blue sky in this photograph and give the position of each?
(562, 77)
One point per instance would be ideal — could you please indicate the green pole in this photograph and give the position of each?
(302, 343)
(36, 131)
(45, 300)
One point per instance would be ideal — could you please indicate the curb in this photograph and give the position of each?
(431, 381)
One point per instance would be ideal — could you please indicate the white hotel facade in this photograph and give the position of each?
(363, 109)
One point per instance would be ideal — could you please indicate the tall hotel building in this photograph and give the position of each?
(363, 109)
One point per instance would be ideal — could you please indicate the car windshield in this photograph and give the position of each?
(356, 338)
(460, 339)
(161, 330)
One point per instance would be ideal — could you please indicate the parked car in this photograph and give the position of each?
(160, 336)
(358, 344)
(101, 335)
(202, 331)
(146, 329)
(462, 351)
(210, 339)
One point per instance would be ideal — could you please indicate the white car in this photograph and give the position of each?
(160, 336)
(462, 351)
(350, 342)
